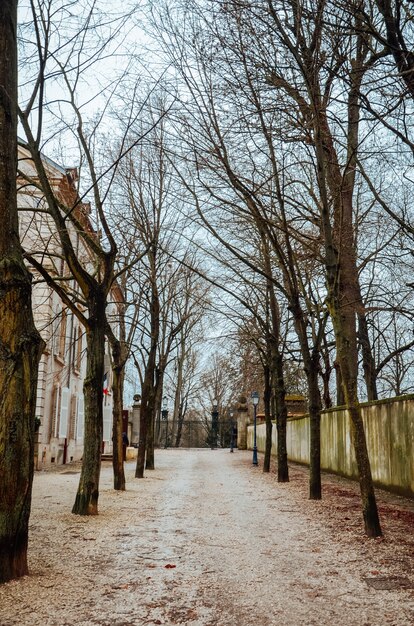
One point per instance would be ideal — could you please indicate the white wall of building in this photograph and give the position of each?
(62, 368)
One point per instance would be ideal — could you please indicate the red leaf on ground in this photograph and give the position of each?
(169, 566)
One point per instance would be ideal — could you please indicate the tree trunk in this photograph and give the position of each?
(20, 343)
(150, 456)
(180, 420)
(159, 385)
(148, 387)
(146, 411)
(118, 373)
(341, 302)
(142, 443)
(276, 369)
(311, 366)
(175, 436)
(159, 382)
(326, 371)
(401, 49)
(345, 332)
(19, 359)
(267, 395)
(340, 396)
(370, 374)
(86, 502)
(342, 280)
(281, 416)
(315, 483)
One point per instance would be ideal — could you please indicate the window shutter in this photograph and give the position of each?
(81, 418)
(64, 413)
(55, 411)
(72, 416)
(107, 423)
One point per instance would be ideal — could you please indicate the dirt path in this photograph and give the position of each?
(207, 539)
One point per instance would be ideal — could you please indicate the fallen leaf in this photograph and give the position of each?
(169, 566)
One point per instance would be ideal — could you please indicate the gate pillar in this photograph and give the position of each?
(242, 420)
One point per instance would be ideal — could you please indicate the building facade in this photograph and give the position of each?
(60, 403)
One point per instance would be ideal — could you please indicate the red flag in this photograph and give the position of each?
(105, 384)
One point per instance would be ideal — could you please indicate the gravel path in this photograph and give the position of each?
(209, 540)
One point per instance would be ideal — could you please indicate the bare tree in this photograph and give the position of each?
(67, 56)
(147, 187)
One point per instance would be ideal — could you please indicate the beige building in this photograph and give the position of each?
(60, 403)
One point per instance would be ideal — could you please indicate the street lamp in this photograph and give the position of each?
(255, 400)
(232, 432)
(164, 416)
(214, 424)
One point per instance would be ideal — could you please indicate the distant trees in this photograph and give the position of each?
(311, 40)
(276, 151)
(191, 306)
(161, 287)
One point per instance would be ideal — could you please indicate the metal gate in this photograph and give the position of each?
(197, 434)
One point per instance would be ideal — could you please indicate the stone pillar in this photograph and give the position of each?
(242, 421)
(136, 413)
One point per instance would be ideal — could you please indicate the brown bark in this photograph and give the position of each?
(146, 413)
(118, 372)
(314, 408)
(326, 372)
(159, 381)
(119, 359)
(347, 356)
(311, 367)
(150, 454)
(20, 343)
(342, 300)
(267, 399)
(176, 424)
(340, 258)
(148, 387)
(86, 501)
(276, 368)
(151, 410)
(180, 423)
(368, 362)
(279, 394)
(142, 442)
(403, 54)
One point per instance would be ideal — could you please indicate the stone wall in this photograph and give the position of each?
(389, 426)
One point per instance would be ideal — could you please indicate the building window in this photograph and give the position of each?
(64, 412)
(72, 415)
(55, 410)
(80, 422)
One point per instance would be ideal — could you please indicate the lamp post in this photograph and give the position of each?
(255, 400)
(214, 424)
(164, 416)
(232, 432)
